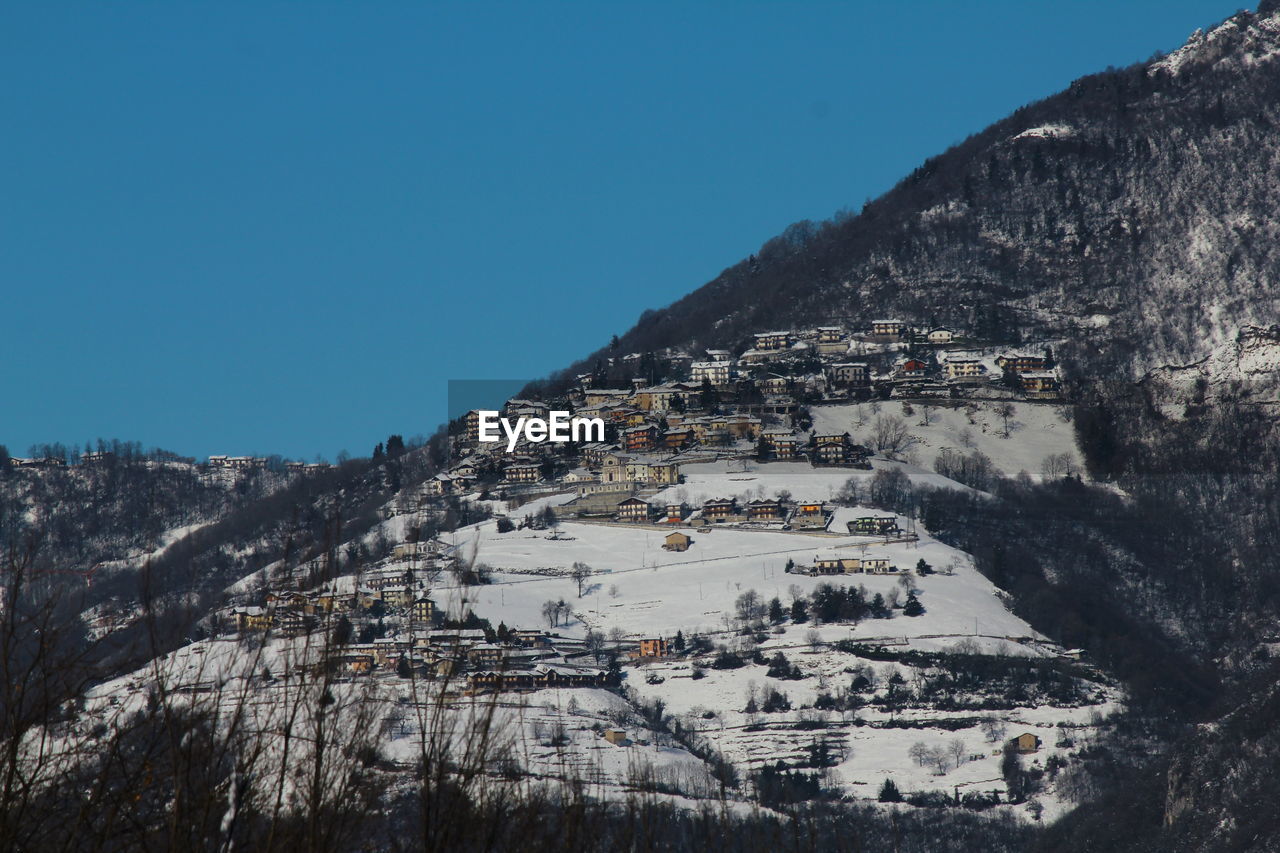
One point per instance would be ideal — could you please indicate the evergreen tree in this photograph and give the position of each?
(889, 792)
(678, 643)
(707, 396)
(402, 668)
(799, 614)
(342, 631)
(776, 613)
(913, 607)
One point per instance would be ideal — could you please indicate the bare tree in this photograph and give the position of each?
(580, 572)
(993, 728)
(551, 612)
(1006, 411)
(958, 751)
(891, 436)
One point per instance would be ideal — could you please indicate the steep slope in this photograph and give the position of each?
(1129, 213)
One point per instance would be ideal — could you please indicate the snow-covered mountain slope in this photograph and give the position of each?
(1126, 215)
(1036, 431)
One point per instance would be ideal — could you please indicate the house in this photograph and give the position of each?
(594, 453)
(617, 737)
(742, 426)
(354, 661)
(291, 623)
(772, 341)
(654, 647)
(832, 340)
(963, 368)
(1039, 384)
(677, 541)
(424, 609)
(941, 335)
(809, 515)
(397, 596)
(467, 469)
(719, 509)
(878, 567)
(875, 525)
(664, 473)
(714, 372)
(764, 510)
(781, 443)
(675, 514)
(526, 408)
(677, 439)
(523, 473)
(773, 384)
(1025, 743)
(580, 475)
(638, 471)
(854, 374)
(605, 396)
(830, 564)
(485, 655)
(912, 367)
(1020, 362)
(633, 509)
(644, 437)
(251, 618)
(438, 486)
(833, 449)
(719, 355)
(892, 329)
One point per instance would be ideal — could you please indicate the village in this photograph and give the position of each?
(750, 409)
(725, 552)
(677, 410)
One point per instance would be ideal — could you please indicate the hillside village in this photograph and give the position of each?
(736, 550)
(490, 576)
(667, 409)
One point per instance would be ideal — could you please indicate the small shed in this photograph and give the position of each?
(677, 541)
(1025, 743)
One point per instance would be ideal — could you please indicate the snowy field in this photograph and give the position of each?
(1036, 430)
(645, 591)
(747, 480)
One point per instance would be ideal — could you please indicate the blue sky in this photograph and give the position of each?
(283, 227)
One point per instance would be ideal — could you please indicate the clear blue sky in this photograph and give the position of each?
(266, 227)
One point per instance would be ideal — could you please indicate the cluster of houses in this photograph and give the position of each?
(787, 514)
(259, 463)
(727, 407)
(480, 661)
(838, 564)
(294, 613)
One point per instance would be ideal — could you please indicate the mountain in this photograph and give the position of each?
(1128, 598)
(1130, 214)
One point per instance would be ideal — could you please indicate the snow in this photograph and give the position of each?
(640, 590)
(1036, 430)
(1046, 131)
